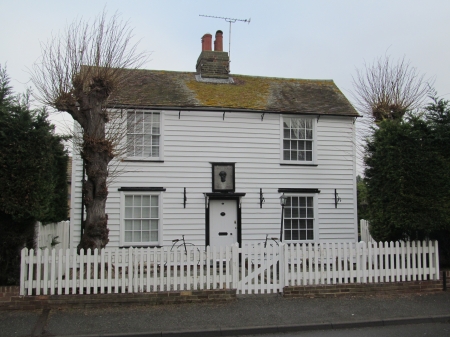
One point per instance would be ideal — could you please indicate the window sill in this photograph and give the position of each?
(298, 164)
(141, 245)
(137, 160)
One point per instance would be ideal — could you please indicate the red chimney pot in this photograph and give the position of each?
(207, 42)
(218, 42)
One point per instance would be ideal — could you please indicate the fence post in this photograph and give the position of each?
(281, 272)
(23, 270)
(235, 267)
(436, 256)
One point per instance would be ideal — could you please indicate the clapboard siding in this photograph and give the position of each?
(196, 139)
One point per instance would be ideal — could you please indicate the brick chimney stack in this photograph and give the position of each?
(218, 42)
(213, 64)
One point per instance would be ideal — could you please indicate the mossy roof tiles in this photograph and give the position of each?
(180, 90)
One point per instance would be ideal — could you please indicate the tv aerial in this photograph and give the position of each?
(230, 21)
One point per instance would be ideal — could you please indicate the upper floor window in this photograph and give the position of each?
(298, 137)
(143, 134)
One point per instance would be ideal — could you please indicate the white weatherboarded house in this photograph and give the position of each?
(210, 153)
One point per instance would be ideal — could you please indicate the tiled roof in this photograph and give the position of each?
(180, 90)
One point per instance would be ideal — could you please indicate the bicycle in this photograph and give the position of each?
(272, 239)
(183, 243)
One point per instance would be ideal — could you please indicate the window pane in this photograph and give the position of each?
(155, 129)
(137, 200)
(130, 122)
(147, 140)
(154, 236)
(308, 155)
(286, 155)
(287, 235)
(138, 125)
(310, 235)
(301, 145)
(302, 213)
(295, 212)
(302, 224)
(145, 236)
(145, 225)
(136, 212)
(128, 236)
(309, 134)
(294, 235)
(128, 224)
(145, 200)
(294, 201)
(154, 200)
(154, 213)
(302, 202)
(287, 224)
(293, 145)
(155, 151)
(287, 212)
(128, 212)
(310, 213)
(302, 235)
(286, 144)
(308, 123)
(287, 133)
(301, 134)
(154, 224)
(128, 200)
(145, 212)
(288, 201)
(137, 237)
(137, 225)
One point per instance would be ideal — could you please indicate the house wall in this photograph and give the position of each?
(194, 141)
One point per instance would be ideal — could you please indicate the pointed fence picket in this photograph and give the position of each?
(251, 269)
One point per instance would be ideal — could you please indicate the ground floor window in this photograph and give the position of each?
(141, 219)
(299, 218)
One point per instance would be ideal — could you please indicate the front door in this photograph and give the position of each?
(223, 222)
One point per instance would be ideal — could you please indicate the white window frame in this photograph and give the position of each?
(123, 243)
(161, 137)
(315, 218)
(313, 161)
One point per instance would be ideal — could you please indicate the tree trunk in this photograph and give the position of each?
(97, 153)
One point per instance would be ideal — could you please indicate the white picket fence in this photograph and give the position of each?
(52, 233)
(364, 230)
(337, 263)
(251, 269)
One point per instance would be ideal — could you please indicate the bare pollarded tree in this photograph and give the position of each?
(384, 90)
(387, 90)
(78, 73)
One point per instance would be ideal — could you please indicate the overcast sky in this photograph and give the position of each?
(286, 38)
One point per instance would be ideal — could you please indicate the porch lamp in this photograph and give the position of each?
(282, 203)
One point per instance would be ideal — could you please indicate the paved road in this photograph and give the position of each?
(410, 330)
(259, 312)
